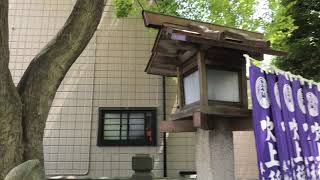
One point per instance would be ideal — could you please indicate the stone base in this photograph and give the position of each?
(29, 170)
(214, 154)
(142, 176)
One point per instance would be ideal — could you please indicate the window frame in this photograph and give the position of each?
(240, 86)
(128, 142)
(183, 95)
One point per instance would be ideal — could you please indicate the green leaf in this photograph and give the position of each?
(123, 7)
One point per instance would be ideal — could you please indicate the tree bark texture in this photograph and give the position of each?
(42, 78)
(10, 104)
(24, 109)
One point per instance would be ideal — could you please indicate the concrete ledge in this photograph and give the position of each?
(98, 178)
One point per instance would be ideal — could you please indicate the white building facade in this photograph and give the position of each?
(108, 74)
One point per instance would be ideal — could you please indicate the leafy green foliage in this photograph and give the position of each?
(269, 17)
(290, 25)
(281, 26)
(165, 7)
(235, 13)
(304, 44)
(195, 10)
(123, 7)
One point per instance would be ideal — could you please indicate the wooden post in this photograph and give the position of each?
(179, 89)
(202, 78)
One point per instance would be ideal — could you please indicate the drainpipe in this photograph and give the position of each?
(164, 106)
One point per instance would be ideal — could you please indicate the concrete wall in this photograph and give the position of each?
(109, 73)
(245, 158)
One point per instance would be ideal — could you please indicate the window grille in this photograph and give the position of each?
(127, 127)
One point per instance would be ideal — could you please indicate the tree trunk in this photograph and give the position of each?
(24, 110)
(42, 78)
(10, 105)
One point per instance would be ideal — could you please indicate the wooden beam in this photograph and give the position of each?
(206, 40)
(161, 71)
(189, 65)
(210, 122)
(202, 78)
(179, 88)
(168, 67)
(166, 61)
(177, 126)
(167, 43)
(156, 20)
(164, 47)
(155, 44)
(170, 55)
(226, 111)
(203, 121)
(232, 45)
(243, 87)
(187, 55)
(185, 46)
(241, 124)
(197, 118)
(172, 46)
(185, 112)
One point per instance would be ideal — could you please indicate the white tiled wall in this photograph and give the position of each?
(109, 73)
(32, 23)
(245, 155)
(123, 49)
(180, 146)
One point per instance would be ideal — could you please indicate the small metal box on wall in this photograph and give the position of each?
(208, 62)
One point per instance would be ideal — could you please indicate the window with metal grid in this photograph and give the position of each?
(127, 127)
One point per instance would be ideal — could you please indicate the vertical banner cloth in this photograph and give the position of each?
(286, 126)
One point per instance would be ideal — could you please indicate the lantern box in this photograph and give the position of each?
(208, 62)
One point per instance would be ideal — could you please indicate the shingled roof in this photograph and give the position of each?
(179, 39)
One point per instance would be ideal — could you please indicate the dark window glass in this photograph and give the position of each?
(127, 126)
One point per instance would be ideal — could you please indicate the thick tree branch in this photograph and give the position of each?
(10, 105)
(42, 78)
